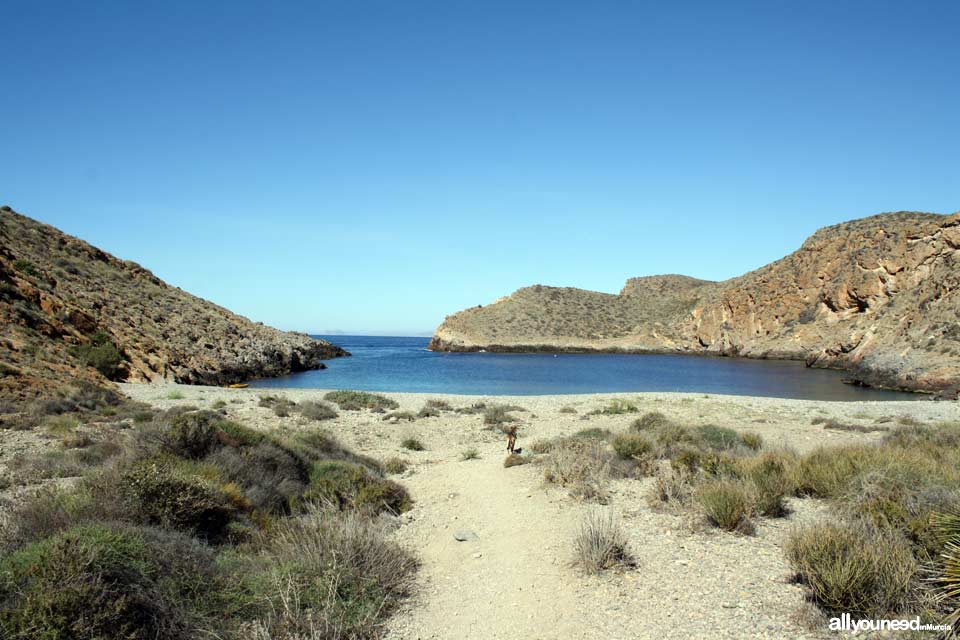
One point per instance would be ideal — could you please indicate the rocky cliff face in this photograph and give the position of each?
(61, 297)
(877, 297)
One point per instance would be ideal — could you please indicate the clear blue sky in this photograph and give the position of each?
(373, 166)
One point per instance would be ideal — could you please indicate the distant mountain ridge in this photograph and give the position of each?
(877, 297)
(67, 308)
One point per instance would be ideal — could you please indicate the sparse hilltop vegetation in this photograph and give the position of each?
(877, 297)
(72, 311)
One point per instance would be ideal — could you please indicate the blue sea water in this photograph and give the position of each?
(383, 363)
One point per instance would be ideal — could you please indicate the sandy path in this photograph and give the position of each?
(512, 581)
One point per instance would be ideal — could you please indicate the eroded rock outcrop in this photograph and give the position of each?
(58, 293)
(877, 297)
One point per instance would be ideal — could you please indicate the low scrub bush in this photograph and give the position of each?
(395, 465)
(770, 477)
(470, 454)
(159, 494)
(316, 411)
(101, 354)
(397, 416)
(650, 422)
(594, 432)
(671, 488)
(352, 486)
(331, 575)
(726, 503)
(356, 400)
(495, 415)
(853, 568)
(718, 438)
(601, 543)
(110, 581)
(413, 444)
(633, 446)
(616, 407)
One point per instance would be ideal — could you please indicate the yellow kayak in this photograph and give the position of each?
(239, 385)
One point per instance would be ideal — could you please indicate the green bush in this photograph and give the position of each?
(355, 400)
(825, 473)
(24, 266)
(650, 422)
(158, 495)
(351, 486)
(726, 503)
(770, 476)
(633, 446)
(101, 354)
(853, 568)
(412, 444)
(470, 454)
(98, 581)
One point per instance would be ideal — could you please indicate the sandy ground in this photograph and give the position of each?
(515, 577)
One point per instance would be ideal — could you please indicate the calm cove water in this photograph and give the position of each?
(403, 364)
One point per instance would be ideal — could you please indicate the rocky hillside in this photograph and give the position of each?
(71, 311)
(877, 296)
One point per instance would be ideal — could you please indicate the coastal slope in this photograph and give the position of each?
(70, 311)
(877, 297)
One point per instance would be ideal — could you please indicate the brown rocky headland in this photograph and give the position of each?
(71, 311)
(877, 297)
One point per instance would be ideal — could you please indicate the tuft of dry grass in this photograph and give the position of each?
(601, 543)
(672, 488)
(395, 465)
(470, 454)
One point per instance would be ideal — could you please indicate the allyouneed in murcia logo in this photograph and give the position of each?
(846, 623)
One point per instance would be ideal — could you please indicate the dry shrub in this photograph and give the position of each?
(726, 503)
(672, 488)
(317, 411)
(584, 466)
(770, 475)
(395, 465)
(397, 416)
(601, 543)
(853, 568)
(650, 422)
(333, 575)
